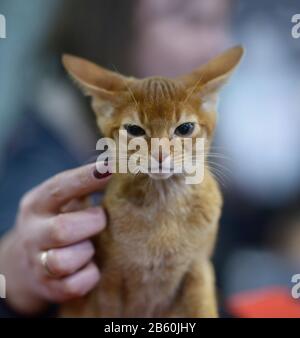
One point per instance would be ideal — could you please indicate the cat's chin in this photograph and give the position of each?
(160, 176)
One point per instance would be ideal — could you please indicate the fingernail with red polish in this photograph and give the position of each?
(100, 176)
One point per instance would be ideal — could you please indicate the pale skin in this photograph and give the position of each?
(51, 218)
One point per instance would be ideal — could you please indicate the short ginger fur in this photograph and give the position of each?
(155, 253)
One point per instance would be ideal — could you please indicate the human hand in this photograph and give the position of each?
(42, 231)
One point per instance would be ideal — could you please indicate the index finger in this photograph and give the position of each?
(60, 189)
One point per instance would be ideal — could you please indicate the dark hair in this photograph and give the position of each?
(99, 30)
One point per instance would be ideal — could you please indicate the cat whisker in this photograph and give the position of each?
(219, 176)
(220, 166)
(221, 156)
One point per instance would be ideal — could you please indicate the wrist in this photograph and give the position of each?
(18, 297)
(25, 304)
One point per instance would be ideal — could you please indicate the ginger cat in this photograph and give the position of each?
(155, 253)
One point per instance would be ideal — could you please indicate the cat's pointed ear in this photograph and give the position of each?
(211, 77)
(99, 83)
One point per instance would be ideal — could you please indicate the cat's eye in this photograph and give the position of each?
(134, 130)
(185, 129)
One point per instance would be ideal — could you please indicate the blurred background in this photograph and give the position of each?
(46, 126)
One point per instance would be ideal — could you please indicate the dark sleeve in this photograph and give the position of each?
(33, 155)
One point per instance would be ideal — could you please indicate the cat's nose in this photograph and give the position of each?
(164, 160)
(160, 157)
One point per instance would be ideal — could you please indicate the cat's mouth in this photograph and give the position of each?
(160, 172)
(160, 175)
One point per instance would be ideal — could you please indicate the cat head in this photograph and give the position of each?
(155, 107)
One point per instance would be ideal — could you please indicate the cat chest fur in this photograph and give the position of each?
(162, 231)
(164, 234)
(150, 249)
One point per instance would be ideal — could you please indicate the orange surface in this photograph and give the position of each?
(275, 302)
